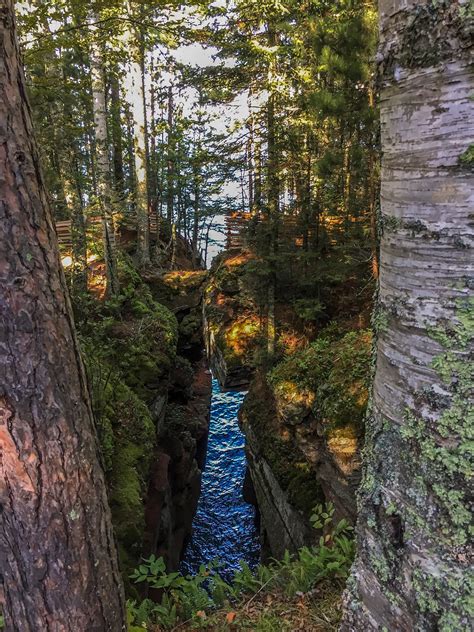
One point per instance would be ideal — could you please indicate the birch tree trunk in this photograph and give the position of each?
(57, 552)
(135, 97)
(117, 144)
(412, 569)
(104, 192)
(170, 173)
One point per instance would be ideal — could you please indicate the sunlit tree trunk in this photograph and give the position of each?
(257, 178)
(171, 160)
(102, 165)
(134, 91)
(57, 553)
(413, 561)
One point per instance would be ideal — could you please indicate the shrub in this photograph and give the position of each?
(188, 598)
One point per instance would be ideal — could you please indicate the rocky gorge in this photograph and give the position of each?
(303, 416)
(150, 355)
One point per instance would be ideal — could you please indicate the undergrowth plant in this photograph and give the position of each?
(188, 598)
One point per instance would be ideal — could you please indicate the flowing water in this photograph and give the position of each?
(224, 525)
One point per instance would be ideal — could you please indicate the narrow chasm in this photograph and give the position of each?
(225, 526)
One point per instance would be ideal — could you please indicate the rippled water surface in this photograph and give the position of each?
(224, 525)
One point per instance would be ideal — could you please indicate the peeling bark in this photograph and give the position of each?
(57, 552)
(412, 568)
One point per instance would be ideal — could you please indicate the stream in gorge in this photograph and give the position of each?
(224, 526)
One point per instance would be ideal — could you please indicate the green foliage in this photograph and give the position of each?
(186, 598)
(467, 158)
(308, 309)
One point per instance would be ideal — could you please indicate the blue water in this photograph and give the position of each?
(224, 525)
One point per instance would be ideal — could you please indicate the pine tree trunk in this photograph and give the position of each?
(273, 199)
(57, 552)
(102, 164)
(412, 566)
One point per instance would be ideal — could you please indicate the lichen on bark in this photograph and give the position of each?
(412, 567)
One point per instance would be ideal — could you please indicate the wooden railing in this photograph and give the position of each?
(290, 229)
(63, 228)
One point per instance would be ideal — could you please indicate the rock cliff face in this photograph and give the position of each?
(151, 391)
(175, 479)
(231, 323)
(182, 421)
(303, 419)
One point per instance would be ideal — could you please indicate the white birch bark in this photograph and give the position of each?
(412, 568)
(134, 94)
(104, 193)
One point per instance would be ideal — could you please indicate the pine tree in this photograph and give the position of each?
(57, 551)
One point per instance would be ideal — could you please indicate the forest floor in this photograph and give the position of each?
(274, 611)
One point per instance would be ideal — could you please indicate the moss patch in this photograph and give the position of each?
(286, 461)
(334, 374)
(129, 347)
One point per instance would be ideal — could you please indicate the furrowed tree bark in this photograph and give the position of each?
(57, 552)
(104, 192)
(412, 567)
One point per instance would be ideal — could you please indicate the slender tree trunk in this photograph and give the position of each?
(412, 566)
(57, 552)
(250, 154)
(273, 183)
(136, 99)
(257, 198)
(159, 201)
(78, 228)
(153, 166)
(117, 144)
(102, 164)
(197, 202)
(373, 192)
(71, 178)
(173, 246)
(64, 160)
(171, 158)
(308, 203)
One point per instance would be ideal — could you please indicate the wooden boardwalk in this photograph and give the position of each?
(290, 229)
(94, 224)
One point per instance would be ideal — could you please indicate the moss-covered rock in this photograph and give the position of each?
(330, 379)
(127, 437)
(277, 446)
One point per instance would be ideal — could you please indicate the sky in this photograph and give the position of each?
(196, 55)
